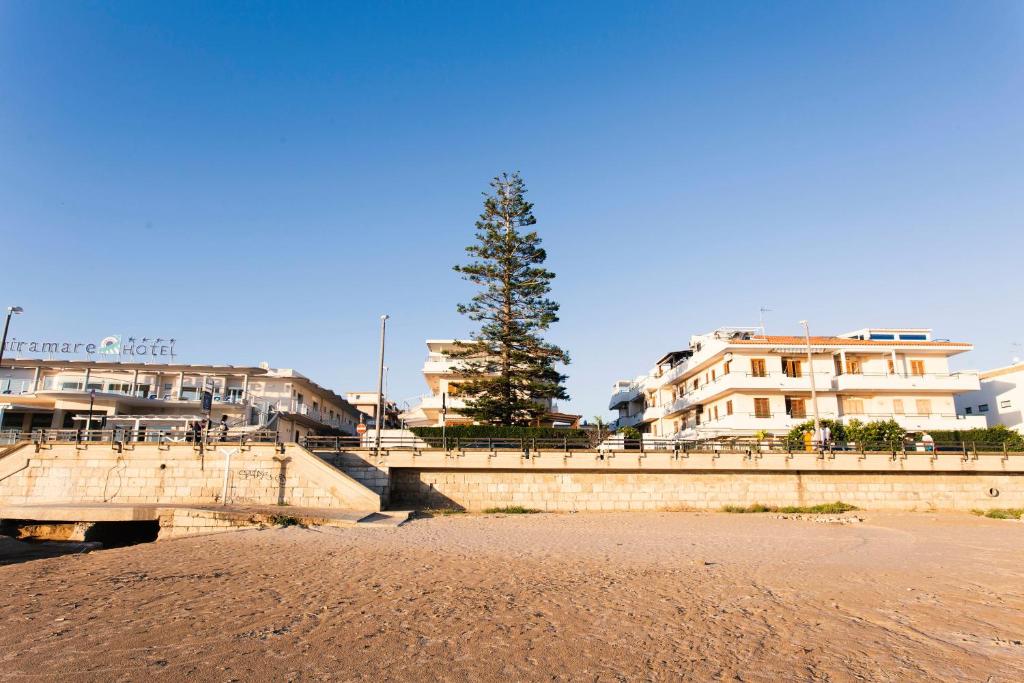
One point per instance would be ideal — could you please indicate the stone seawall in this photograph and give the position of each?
(568, 491)
(176, 474)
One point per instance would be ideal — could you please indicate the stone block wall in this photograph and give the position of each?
(362, 469)
(567, 491)
(97, 473)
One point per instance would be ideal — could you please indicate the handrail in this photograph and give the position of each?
(645, 443)
(117, 435)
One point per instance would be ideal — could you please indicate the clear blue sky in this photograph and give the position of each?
(262, 180)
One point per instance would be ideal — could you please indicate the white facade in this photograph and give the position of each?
(999, 399)
(56, 394)
(735, 381)
(443, 403)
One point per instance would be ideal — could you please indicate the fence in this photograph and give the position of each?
(119, 435)
(644, 444)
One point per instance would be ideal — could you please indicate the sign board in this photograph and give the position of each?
(112, 345)
(360, 429)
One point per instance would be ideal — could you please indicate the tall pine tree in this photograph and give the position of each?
(510, 370)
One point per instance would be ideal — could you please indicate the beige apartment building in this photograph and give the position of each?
(56, 394)
(441, 406)
(737, 381)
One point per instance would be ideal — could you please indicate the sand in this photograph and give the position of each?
(587, 597)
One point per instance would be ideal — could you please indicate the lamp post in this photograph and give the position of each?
(88, 423)
(814, 390)
(379, 413)
(11, 310)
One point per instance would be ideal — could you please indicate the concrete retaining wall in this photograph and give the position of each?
(176, 474)
(566, 491)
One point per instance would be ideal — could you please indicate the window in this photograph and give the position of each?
(969, 410)
(897, 406)
(914, 337)
(70, 386)
(881, 337)
(728, 407)
(917, 367)
(924, 406)
(725, 367)
(1005, 403)
(853, 406)
(695, 383)
(854, 367)
(713, 378)
(838, 363)
(761, 408)
(716, 412)
(796, 407)
(758, 368)
(792, 367)
(892, 366)
(983, 408)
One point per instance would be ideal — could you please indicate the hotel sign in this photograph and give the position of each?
(114, 345)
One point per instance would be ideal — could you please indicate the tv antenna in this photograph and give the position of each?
(762, 311)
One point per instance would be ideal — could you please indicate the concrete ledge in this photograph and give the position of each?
(667, 461)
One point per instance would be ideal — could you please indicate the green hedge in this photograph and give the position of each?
(991, 436)
(433, 434)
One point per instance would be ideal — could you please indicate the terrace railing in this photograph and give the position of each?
(746, 445)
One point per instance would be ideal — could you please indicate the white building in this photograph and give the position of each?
(736, 381)
(443, 403)
(57, 394)
(999, 399)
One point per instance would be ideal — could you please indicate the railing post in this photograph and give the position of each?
(963, 448)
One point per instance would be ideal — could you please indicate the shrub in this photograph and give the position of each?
(512, 510)
(1001, 513)
(795, 437)
(992, 437)
(822, 509)
(629, 432)
(432, 435)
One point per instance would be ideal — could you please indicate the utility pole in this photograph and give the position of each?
(11, 310)
(379, 417)
(814, 390)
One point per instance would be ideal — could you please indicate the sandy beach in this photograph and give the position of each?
(595, 597)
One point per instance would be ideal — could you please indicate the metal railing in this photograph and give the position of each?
(126, 435)
(617, 443)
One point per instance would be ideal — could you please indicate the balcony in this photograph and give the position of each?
(653, 413)
(742, 381)
(951, 383)
(925, 421)
(622, 396)
(629, 420)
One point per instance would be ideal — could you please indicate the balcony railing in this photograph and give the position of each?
(955, 382)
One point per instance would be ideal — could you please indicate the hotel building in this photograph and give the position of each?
(56, 394)
(738, 382)
(999, 399)
(441, 406)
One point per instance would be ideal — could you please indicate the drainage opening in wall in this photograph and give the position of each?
(993, 492)
(81, 536)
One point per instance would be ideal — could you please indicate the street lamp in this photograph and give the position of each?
(11, 310)
(88, 423)
(380, 384)
(814, 390)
